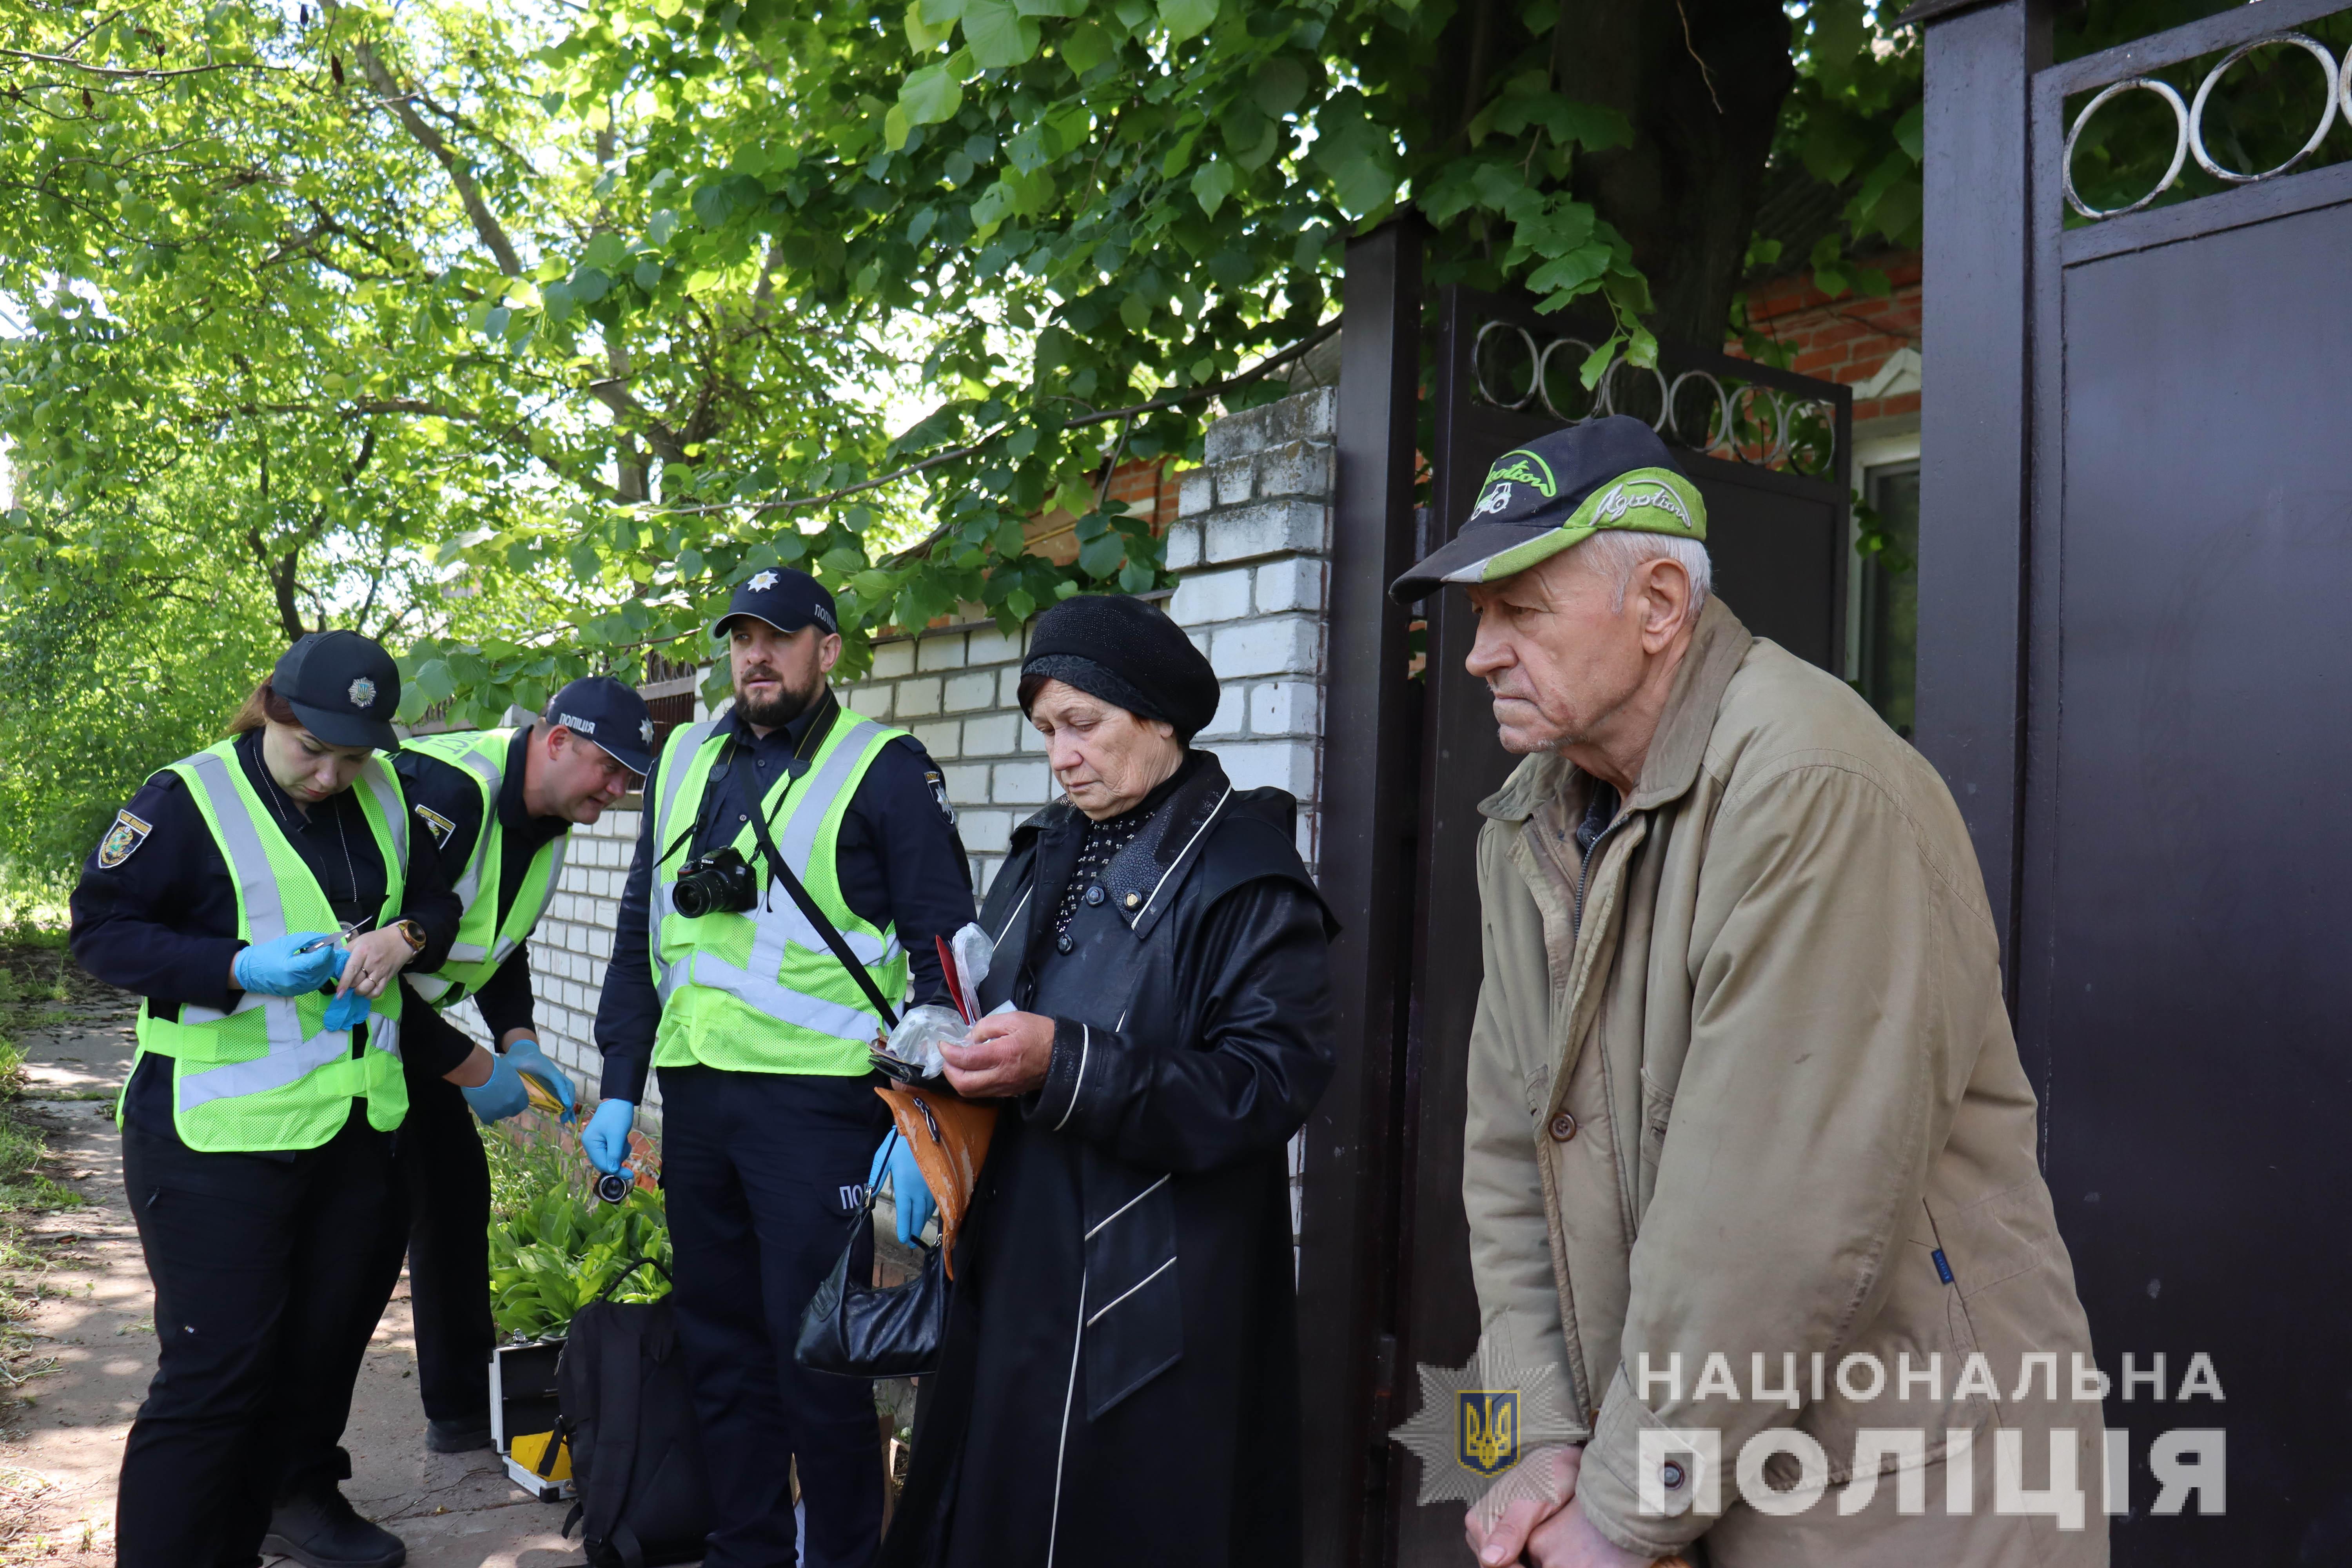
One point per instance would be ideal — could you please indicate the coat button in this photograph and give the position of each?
(1133, 899)
(1563, 1128)
(1096, 895)
(1062, 943)
(1672, 1474)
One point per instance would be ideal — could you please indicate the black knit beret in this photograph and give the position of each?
(1127, 653)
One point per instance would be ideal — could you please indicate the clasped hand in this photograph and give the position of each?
(375, 958)
(1532, 1516)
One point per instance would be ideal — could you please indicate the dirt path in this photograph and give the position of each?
(61, 1439)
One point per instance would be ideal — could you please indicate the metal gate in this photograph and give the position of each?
(2135, 562)
(1385, 1267)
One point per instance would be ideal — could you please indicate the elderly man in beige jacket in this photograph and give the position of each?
(1749, 1163)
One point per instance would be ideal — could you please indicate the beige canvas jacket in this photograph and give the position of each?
(1738, 1104)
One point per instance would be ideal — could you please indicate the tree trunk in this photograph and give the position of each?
(284, 573)
(1685, 193)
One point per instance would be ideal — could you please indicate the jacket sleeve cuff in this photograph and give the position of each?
(1074, 1077)
(436, 951)
(1610, 1484)
(204, 976)
(625, 1078)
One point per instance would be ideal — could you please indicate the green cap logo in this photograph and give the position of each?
(1527, 468)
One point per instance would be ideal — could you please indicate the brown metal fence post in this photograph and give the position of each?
(1369, 765)
(1976, 457)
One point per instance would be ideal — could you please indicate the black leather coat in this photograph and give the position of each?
(1123, 1342)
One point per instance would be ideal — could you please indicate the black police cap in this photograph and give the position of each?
(611, 714)
(785, 599)
(343, 687)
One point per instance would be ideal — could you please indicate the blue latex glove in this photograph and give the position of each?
(274, 969)
(607, 1138)
(347, 1010)
(502, 1095)
(912, 1193)
(527, 1057)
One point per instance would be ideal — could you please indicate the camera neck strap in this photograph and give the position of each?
(713, 788)
(781, 870)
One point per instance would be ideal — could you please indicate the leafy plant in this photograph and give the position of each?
(554, 1246)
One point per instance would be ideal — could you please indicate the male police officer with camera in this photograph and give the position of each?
(760, 1029)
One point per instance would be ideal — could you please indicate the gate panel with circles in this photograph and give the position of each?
(2134, 660)
(1768, 448)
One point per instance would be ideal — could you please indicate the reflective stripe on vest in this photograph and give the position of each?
(777, 919)
(292, 1055)
(443, 989)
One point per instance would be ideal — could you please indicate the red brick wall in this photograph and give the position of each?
(1847, 339)
(1149, 487)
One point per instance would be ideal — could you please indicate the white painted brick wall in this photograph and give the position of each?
(1250, 548)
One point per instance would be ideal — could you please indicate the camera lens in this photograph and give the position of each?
(720, 882)
(613, 1187)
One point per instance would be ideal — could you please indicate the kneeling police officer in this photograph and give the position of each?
(497, 805)
(258, 1123)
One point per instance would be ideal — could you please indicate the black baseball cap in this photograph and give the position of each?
(785, 599)
(609, 712)
(1557, 491)
(343, 687)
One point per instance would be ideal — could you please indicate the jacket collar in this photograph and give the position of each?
(1719, 645)
(1154, 867)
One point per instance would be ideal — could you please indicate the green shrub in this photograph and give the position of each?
(554, 1246)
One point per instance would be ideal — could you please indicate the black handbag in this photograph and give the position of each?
(853, 1329)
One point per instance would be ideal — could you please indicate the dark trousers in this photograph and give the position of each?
(444, 1179)
(268, 1285)
(760, 1174)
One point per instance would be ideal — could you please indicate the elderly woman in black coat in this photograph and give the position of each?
(1120, 1380)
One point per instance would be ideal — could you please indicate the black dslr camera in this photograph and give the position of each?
(720, 882)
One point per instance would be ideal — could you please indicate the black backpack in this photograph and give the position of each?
(628, 1413)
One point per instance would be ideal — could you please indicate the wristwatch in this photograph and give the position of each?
(412, 934)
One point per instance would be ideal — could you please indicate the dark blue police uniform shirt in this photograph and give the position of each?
(161, 921)
(454, 796)
(900, 864)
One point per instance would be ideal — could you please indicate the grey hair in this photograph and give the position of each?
(1614, 554)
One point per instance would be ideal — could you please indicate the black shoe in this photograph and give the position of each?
(320, 1530)
(461, 1435)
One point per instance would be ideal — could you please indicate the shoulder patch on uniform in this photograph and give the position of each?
(436, 824)
(939, 792)
(121, 840)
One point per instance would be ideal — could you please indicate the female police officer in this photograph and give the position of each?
(257, 1121)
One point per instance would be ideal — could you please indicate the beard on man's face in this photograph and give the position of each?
(788, 704)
